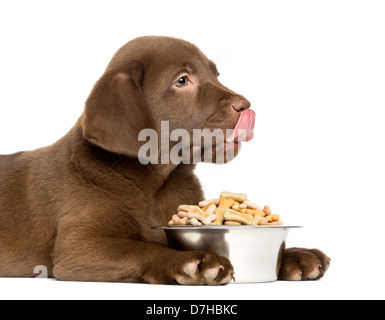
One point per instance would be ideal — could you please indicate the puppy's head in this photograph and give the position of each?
(155, 79)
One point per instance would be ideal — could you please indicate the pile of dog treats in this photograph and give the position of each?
(230, 209)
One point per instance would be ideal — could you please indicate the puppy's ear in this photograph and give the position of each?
(116, 111)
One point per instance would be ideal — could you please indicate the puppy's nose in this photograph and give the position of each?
(241, 105)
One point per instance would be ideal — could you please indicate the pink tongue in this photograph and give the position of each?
(244, 130)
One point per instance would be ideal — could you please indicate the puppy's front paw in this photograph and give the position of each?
(303, 264)
(209, 269)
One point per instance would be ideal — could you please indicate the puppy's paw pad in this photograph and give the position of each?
(303, 264)
(295, 276)
(209, 269)
(189, 274)
(191, 268)
(211, 274)
(312, 275)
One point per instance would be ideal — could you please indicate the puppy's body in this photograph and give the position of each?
(83, 207)
(75, 192)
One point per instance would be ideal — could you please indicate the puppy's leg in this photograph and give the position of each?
(303, 264)
(110, 259)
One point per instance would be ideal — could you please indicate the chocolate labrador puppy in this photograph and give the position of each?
(83, 207)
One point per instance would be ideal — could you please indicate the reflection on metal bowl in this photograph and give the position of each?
(254, 251)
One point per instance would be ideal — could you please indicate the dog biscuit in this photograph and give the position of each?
(204, 203)
(241, 197)
(232, 223)
(194, 222)
(224, 203)
(276, 223)
(257, 218)
(236, 207)
(275, 217)
(229, 209)
(253, 212)
(263, 222)
(243, 218)
(186, 208)
(203, 217)
(177, 221)
(267, 210)
(210, 209)
(219, 214)
(250, 205)
(182, 214)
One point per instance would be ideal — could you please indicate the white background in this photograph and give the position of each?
(315, 74)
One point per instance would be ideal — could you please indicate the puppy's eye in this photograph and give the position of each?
(182, 82)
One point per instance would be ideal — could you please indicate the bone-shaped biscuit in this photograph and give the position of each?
(186, 208)
(195, 212)
(224, 203)
(210, 209)
(204, 203)
(232, 223)
(194, 222)
(249, 205)
(257, 219)
(230, 208)
(253, 212)
(183, 210)
(177, 221)
(243, 218)
(205, 218)
(240, 197)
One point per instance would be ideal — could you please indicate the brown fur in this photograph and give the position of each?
(83, 207)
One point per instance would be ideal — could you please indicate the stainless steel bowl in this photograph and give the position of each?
(254, 251)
